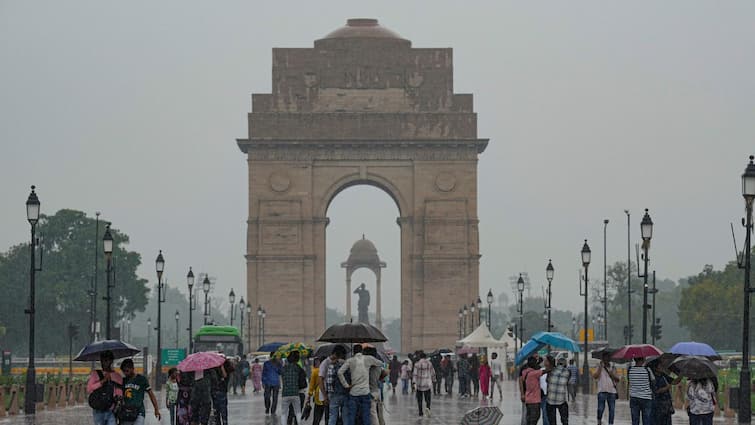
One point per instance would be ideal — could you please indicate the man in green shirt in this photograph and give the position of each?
(134, 386)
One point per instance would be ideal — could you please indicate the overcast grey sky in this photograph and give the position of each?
(132, 109)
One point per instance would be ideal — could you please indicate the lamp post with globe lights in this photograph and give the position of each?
(249, 324)
(586, 257)
(748, 192)
(549, 276)
(479, 311)
(192, 307)
(159, 268)
(107, 245)
(472, 309)
(242, 310)
(646, 229)
(206, 290)
(461, 315)
(32, 216)
(232, 301)
(520, 289)
(490, 300)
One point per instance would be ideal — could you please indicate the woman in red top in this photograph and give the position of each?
(109, 377)
(529, 387)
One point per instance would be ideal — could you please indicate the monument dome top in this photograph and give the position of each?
(363, 251)
(363, 28)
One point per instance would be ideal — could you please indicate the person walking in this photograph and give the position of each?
(377, 374)
(314, 394)
(641, 384)
(336, 394)
(485, 377)
(543, 396)
(529, 389)
(359, 388)
(256, 371)
(134, 387)
(271, 382)
(200, 402)
(171, 394)
(435, 360)
(462, 367)
(220, 392)
(701, 401)
(232, 378)
(607, 378)
(424, 378)
(395, 371)
(107, 384)
(405, 372)
(663, 406)
(496, 370)
(183, 403)
(573, 379)
(293, 380)
(243, 369)
(474, 375)
(557, 398)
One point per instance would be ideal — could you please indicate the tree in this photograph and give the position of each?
(67, 240)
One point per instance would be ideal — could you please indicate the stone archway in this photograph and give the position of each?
(362, 107)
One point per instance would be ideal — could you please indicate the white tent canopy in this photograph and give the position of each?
(480, 338)
(511, 342)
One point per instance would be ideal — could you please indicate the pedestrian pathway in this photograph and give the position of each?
(401, 410)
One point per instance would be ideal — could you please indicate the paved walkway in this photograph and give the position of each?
(401, 410)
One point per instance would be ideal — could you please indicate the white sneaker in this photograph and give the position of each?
(427, 411)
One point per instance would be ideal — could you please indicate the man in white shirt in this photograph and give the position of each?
(496, 371)
(359, 389)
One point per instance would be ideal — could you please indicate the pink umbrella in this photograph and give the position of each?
(634, 351)
(201, 361)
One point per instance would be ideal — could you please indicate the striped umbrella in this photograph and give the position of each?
(486, 415)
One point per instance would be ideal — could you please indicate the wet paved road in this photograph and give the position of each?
(401, 410)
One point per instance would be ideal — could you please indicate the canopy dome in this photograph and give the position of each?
(363, 251)
(357, 29)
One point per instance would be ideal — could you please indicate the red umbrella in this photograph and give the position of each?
(634, 351)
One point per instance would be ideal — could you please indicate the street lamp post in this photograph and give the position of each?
(107, 243)
(465, 311)
(490, 303)
(264, 314)
(549, 277)
(605, 279)
(472, 315)
(192, 307)
(586, 256)
(630, 329)
(479, 311)
(460, 324)
(520, 289)
(177, 316)
(159, 267)
(249, 324)
(646, 227)
(242, 309)
(232, 301)
(748, 192)
(32, 215)
(93, 292)
(206, 289)
(259, 325)
(574, 328)
(149, 332)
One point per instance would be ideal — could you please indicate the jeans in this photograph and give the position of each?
(704, 419)
(103, 417)
(641, 406)
(563, 411)
(474, 383)
(319, 411)
(496, 382)
(463, 389)
(449, 381)
(139, 421)
(604, 398)
(357, 404)
(533, 413)
(544, 411)
(172, 411)
(572, 390)
(427, 395)
(292, 401)
(404, 386)
(271, 398)
(337, 403)
(220, 403)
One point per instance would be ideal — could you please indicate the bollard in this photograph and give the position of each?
(51, 395)
(3, 413)
(62, 395)
(13, 409)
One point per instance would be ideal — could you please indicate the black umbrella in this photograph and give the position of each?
(119, 349)
(327, 349)
(599, 353)
(694, 367)
(440, 351)
(352, 333)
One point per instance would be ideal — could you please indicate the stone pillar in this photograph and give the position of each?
(348, 295)
(378, 310)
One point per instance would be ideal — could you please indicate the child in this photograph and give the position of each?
(171, 394)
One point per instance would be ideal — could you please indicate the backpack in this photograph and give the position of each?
(102, 398)
(332, 376)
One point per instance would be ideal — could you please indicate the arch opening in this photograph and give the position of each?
(362, 217)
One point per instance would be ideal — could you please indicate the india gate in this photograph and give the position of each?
(362, 107)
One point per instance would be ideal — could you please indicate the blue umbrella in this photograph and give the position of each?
(694, 349)
(119, 349)
(271, 346)
(557, 340)
(530, 347)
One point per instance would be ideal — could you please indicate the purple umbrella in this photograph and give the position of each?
(695, 349)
